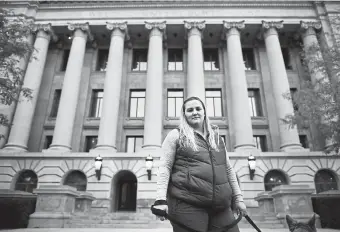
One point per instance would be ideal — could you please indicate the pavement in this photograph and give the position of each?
(138, 230)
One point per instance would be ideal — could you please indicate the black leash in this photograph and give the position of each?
(252, 223)
(162, 213)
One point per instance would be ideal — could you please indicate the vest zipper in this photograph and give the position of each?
(213, 171)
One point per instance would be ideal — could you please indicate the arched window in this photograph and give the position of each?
(325, 180)
(274, 178)
(27, 181)
(76, 179)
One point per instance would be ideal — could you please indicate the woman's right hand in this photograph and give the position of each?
(160, 205)
(163, 208)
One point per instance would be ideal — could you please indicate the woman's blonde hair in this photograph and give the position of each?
(187, 137)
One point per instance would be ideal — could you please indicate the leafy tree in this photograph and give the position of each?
(15, 49)
(317, 103)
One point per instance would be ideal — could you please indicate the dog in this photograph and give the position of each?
(295, 226)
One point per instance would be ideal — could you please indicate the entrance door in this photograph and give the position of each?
(127, 194)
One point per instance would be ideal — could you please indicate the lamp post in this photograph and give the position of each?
(252, 166)
(148, 165)
(98, 163)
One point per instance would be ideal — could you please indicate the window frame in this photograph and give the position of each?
(97, 112)
(175, 110)
(181, 60)
(257, 101)
(246, 60)
(98, 64)
(210, 50)
(64, 59)
(139, 59)
(87, 148)
(55, 103)
(130, 105)
(263, 143)
(134, 137)
(213, 97)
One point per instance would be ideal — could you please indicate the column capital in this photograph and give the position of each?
(229, 25)
(85, 27)
(121, 26)
(266, 25)
(160, 26)
(47, 28)
(200, 25)
(305, 25)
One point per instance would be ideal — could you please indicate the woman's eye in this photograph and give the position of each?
(189, 110)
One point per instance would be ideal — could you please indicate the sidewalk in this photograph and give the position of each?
(139, 230)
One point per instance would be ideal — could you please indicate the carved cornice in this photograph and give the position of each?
(310, 24)
(238, 25)
(122, 26)
(272, 24)
(46, 28)
(85, 27)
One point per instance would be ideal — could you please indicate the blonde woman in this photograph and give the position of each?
(196, 183)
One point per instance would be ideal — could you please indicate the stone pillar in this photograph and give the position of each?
(313, 54)
(266, 204)
(62, 136)
(240, 112)
(112, 86)
(153, 120)
(10, 109)
(294, 200)
(195, 76)
(288, 136)
(22, 121)
(55, 205)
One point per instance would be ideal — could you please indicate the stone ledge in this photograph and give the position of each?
(291, 189)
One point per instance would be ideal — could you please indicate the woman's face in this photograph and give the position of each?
(194, 113)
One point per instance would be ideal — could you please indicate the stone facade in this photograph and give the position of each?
(85, 28)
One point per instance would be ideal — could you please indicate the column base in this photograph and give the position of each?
(56, 147)
(292, 147)
(106, 148)
(15, 147)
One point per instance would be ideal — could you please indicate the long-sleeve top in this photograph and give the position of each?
(167, 160)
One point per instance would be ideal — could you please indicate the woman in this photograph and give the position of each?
(196, 182)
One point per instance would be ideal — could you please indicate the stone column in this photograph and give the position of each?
(195, 76)
(313, 54)
(112, 86)
(22, 121)
(62, 136)
(154, 87)
(240, 112)
(9, 110)
(289, 137)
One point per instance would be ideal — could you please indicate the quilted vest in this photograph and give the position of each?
(200, 177)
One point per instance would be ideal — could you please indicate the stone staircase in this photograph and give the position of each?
(147, 220)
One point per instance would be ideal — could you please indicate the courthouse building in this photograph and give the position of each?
(110, 77)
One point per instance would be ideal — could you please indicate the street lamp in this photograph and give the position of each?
(148, 165)
(252, 166)
(98, 163)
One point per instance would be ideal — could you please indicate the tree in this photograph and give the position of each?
(317, 103)
(14, 50)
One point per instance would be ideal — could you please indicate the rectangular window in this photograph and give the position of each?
(55, 103)
(304, 141)
(248, 59)
(66, 54)
(175, 59)
(134, 143)
(96, 103)
(260, 142)
(140, 59)
(286, 58)
(137, 102)
(211, 61)
(103, 56)
(48, 141)
(213, 101)
(175, 101)
(293, 92)
(90, 142)
(254, 103)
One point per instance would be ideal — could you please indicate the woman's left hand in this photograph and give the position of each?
(241, 207)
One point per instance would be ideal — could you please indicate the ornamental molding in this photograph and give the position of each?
(122, 26)
(159, 25)
(305, 25)
(85, 27)
(47, 28)
(170, 4)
